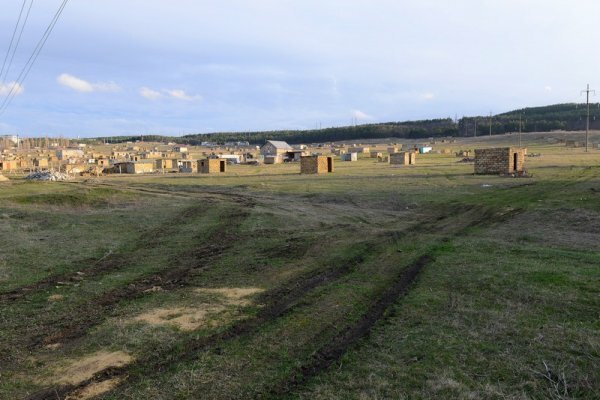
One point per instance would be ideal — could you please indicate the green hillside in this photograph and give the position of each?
(568, 116)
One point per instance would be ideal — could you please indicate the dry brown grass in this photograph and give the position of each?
(80, 370)
(184, 318)
(94, 389)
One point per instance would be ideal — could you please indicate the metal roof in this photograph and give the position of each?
(279, 144)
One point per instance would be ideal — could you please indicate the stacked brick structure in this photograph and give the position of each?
(316, 164)
(403, 158)
(503, 160)
(211, 165)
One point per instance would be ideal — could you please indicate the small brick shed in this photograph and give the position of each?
(403, 158)
(211, 165)
(502, 160)
(316, 164)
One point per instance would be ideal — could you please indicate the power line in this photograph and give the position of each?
(34, 55)
(12, 39)
(18, 41)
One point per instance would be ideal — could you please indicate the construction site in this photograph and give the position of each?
(294, 283)
(299, 200)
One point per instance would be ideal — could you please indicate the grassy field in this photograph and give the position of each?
(375, 282)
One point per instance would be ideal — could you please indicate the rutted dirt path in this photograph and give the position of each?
(275, 304)
(279, 301)
(112, 261)
(333, 350)
(97, 309)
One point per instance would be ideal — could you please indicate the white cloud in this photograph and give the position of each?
(5, 88)
(80, 85)
(359, 115)
(427, 96)
(182, 95)
(177, 94)
(150, 94)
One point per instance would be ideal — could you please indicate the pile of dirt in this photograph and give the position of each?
(47, 176)
(3, 178)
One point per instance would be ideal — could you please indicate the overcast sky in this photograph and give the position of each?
(114, 67)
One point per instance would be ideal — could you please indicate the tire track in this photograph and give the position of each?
(91, 267)
(94, 311)
(333, 350)
(276, 303)
(282, 300)
(337, 347)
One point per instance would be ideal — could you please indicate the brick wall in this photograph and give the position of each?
(499, 160)
(315, 164)
(403, 158)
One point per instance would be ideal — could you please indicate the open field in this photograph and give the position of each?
(374, 282)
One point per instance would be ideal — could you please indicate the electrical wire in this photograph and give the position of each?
(12, 39)
(31, 61)
(3, 79)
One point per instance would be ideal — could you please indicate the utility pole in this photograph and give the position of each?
(587, 121)
(490, 123)
(520, 129)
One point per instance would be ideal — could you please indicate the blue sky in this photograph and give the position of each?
(114, 67)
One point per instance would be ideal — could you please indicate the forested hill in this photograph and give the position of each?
(569, 116)
(409, 129)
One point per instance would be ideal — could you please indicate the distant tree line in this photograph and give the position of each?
(409, 129)
(567, 117)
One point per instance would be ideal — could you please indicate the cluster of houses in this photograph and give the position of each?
(145, 158)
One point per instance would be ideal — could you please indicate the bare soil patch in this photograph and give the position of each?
(55, 297)
(94, 389)
(184, 318)
(233, 296)
(83, 369)
(192, 318)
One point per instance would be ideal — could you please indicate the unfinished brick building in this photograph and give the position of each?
(316, 164)
(211, 165)
(403, 158)
(503, 160)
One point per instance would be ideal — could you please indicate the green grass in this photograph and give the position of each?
(512, 288)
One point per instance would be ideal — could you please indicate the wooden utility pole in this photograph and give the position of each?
(587, 121)
(520, 129)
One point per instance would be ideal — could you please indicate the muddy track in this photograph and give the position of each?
(90, 267)
(279, 301)
(324, 357)
(276, 303)
(96, 310)
(335, 348)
